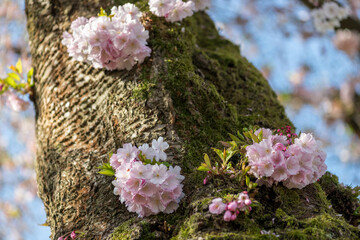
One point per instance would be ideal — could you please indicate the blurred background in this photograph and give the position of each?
(316, 76)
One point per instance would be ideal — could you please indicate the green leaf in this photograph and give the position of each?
(247, 134)
(107, 172)
(15, 76)
(29, 75)
(260, 135)
(21, 85)
(220, 153)
(102, 12)
(19, 66)
(254, 137)
(240, 136)
(234, 138)
(207, 160)
(229, 155)
(203, 168)
(11, 82)
(165, 163)
(247, 181)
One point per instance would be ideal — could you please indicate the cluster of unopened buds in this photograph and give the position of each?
(282, 156)
(117, 41)
(232, 208)
(145, 185)
(176, 10)
(328, 17)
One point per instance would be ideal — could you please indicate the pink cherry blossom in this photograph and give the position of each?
(159, 174)
(292, 165)
(114, 44)
(15, 102)
(217, 206)
(277, 159)
(306, 142)
(280, 173)
(147, 151)
(146, 189)
(227, 216)
(127, 152)
(232, 206)
(266, 133)
(160, 146)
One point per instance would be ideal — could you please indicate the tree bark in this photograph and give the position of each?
(193, 90)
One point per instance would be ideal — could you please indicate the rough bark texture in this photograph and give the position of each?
(194, 90)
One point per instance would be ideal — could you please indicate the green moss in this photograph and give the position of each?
(191, 226)
(135, 229)
(215, 91)
(344, 199)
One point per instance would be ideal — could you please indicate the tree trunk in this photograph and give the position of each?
(193, 90)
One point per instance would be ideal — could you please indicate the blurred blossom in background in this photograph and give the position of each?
(317, 78)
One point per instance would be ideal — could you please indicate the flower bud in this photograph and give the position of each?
(227, 216)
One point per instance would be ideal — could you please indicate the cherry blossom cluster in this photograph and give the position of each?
(177, 10)
(15, 102)
(231, 208)
(328, 17)
(146, 189)
(114, 42)
(285, 157)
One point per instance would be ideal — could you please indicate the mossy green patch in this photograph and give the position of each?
(216, 91)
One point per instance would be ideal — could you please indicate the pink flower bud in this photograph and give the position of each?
(227, 216)
(205, 181)
(232, 206)
(61, 238)
(73, 235)
(233, 217)
(247, 202)
(250, 208)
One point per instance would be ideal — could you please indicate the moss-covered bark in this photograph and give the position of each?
(194, 90)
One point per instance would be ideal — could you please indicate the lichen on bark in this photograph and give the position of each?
(193, 90)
